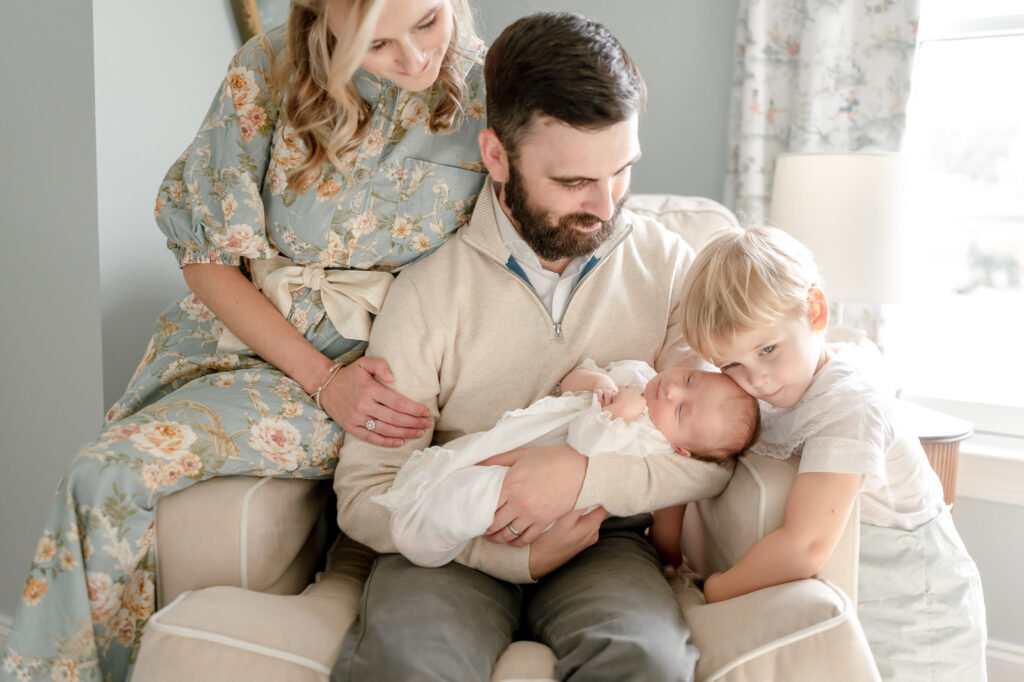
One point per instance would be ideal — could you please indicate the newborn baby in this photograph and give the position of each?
(440, 500)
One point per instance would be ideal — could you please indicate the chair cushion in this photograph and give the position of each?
(695, 219)
(264, 534)
(228, 633)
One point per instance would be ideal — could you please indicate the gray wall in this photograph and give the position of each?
(684, 49)
(991, 532)
(50, 379)
(136, 93)
(153, 87)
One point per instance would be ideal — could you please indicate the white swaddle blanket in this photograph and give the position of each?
(440, 500)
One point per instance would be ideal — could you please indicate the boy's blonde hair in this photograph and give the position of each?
(744, 278)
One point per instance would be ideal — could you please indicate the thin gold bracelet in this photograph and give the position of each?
(335, 368)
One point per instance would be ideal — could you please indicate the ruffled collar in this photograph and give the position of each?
(855, 369)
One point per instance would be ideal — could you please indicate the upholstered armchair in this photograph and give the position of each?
(239, 599)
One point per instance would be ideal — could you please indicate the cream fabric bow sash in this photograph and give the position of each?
(350, 297)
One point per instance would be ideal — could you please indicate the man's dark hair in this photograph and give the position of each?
(561, 65)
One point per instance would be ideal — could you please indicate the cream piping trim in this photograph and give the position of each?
(761, 487)
(204, 636)
(243, 538)
(790, 638)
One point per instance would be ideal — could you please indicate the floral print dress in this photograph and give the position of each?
(190, 412)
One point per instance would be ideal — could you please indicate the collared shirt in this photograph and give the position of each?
(553, 289)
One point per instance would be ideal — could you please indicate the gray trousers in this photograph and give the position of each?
(608, 614)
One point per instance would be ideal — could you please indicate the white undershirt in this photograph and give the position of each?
(553, 289)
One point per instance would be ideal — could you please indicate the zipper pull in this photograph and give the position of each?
(558, 331)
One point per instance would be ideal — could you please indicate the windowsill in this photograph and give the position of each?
(992, 469)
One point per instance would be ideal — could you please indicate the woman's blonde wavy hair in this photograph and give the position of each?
(742, 279)
(322, 103)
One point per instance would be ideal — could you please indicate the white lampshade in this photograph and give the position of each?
(846, 208)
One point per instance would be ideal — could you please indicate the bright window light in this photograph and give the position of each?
(960, 340)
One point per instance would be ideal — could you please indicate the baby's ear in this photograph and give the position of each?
(681, 450)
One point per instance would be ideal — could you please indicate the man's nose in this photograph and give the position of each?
(601, 201)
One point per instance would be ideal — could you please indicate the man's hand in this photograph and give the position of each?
(571, 534)
(542, 485)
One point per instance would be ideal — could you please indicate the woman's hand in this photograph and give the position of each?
(353, 397)
(356, 396)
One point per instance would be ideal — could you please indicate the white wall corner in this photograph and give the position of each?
(1005, 662)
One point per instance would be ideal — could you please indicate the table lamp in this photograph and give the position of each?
(846, 208)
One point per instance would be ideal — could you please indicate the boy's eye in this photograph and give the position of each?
(376, 47)
(767, 349)
(727, 367)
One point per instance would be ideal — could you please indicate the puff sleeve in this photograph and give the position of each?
(853, 444)
(209, 204)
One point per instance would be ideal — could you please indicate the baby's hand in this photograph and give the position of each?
(629, 404)
(606, 394)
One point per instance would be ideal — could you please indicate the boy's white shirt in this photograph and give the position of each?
(849, 421)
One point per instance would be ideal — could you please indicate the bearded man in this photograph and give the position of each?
(551, 270)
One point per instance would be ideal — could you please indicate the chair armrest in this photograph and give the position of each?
(718, 532)
(804, 630)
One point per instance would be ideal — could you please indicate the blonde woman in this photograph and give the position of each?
(339, 148)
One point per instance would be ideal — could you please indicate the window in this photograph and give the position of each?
(961, 348)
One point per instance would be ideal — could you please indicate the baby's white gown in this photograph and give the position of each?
(440, 500)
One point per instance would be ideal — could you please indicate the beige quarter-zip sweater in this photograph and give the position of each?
(466, 335)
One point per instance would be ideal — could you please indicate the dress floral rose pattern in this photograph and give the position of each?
(191, 413)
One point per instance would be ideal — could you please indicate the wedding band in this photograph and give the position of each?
(515, 532)
(371, 425)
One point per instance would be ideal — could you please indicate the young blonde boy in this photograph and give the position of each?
(755, 307)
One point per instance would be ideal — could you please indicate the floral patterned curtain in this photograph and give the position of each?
(814, 75)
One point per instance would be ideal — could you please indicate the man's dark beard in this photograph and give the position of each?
(554, 242)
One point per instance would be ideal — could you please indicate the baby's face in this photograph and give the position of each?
(692, 408)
